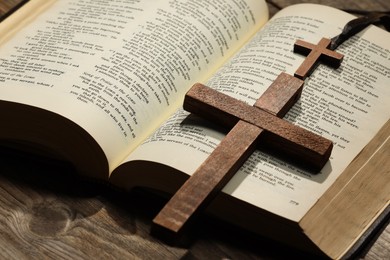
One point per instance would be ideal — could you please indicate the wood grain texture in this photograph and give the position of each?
(46, 214)
(7, 6)
(215, 172)
(296, 142)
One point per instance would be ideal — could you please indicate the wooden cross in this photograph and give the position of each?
(251, 124)
(315, 53)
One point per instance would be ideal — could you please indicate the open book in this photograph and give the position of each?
(101, 85)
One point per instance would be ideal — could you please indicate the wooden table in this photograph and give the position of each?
(45, 213)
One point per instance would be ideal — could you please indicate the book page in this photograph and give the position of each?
(347, 105)
(119, 68)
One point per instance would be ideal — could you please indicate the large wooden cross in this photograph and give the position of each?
(260, 123)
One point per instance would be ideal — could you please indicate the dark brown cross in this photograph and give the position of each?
(315, 53)
(250, 124)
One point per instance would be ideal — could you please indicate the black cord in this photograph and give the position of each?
(357, 25)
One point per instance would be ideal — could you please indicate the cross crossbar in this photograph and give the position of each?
(313, 149)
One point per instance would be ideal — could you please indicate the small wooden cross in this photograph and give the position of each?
(315, 53)
(261, 122)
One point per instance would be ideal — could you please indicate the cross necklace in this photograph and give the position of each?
(260, 124)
